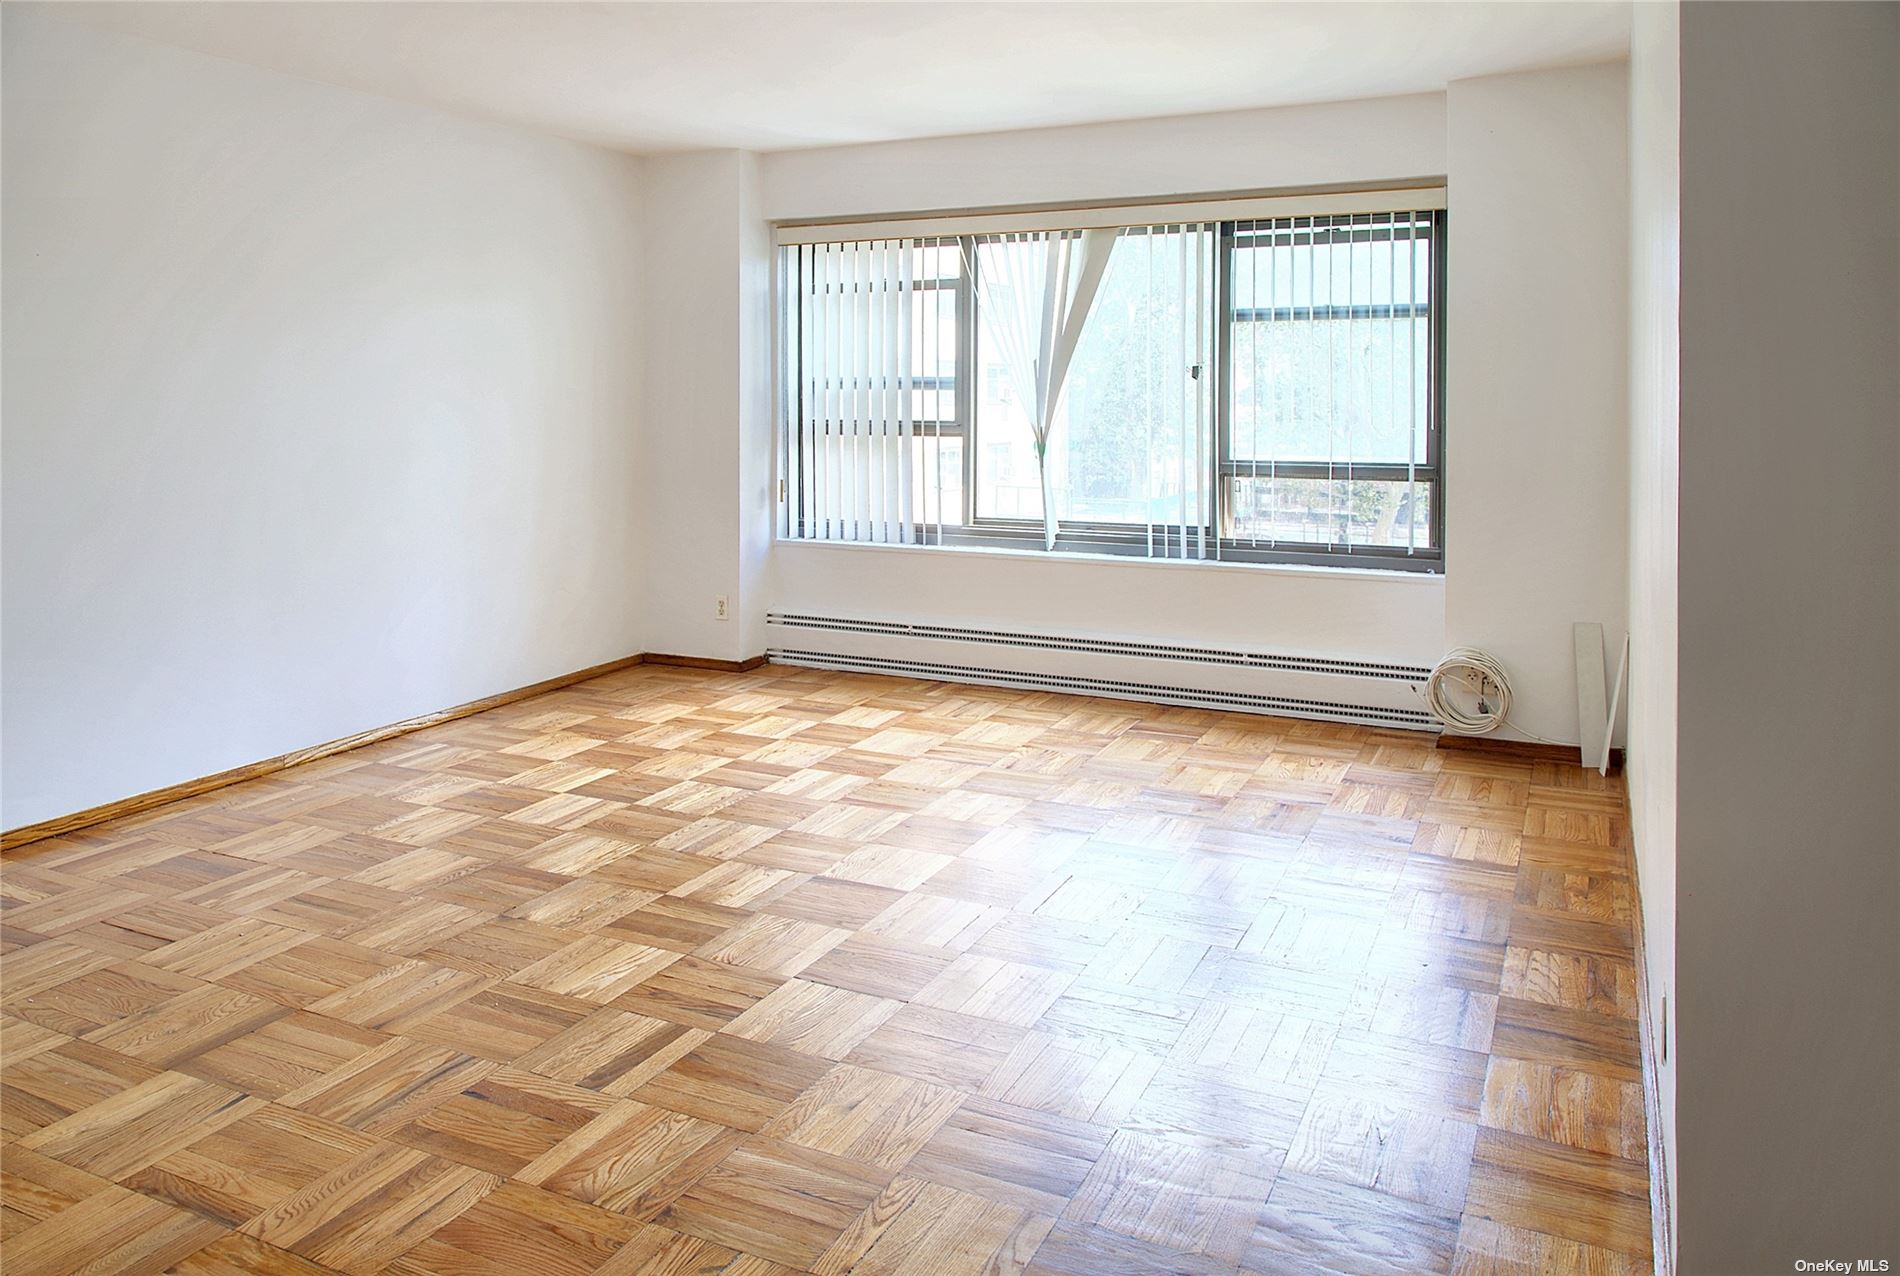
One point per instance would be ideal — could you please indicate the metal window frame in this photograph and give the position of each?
(1135, 539)
(1342, 228)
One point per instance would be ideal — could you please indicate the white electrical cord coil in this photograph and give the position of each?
(1486, 701)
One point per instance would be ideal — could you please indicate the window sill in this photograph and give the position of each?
(1369, 575)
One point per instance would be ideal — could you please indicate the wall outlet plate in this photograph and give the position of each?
(722, 609)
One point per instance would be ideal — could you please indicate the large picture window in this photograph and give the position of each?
(1259, 389)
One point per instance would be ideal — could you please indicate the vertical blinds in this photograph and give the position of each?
(870, 375)
(1232, 389)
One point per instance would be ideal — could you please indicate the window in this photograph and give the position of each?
(1258, 389)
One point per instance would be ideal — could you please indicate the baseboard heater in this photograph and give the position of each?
(1331, 689)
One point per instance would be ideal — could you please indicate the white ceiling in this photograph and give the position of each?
(772, 76)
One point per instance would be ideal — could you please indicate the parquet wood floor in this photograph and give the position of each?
(793, 971)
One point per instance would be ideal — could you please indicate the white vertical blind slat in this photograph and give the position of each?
(868, 428)
(1183, 357)
(888, 366)
(1411, 393)
(1336, 393)
(847, 373)
(1199, 236)
(833, 328)
(1148, 397)
(836, 469)
(867, 421)
(876, 511)
(887, 381)
(898, 368)
(927, 365)
(817, 410)
(859, 436)
(1255, 372)
(1352, 371)
(854, 413)
(787, 404)
(905, 514)
(1270, 330)
(807, 336)
(815, 404)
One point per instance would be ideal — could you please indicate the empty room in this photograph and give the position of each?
(949, 638)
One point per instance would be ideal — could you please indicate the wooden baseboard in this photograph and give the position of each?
(1662, 1217)
(142, 802)
(705, 662)
(1524, 750)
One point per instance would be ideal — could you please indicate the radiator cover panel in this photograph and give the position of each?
(1331, 689)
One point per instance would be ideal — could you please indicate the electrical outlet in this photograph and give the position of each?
(721, 609)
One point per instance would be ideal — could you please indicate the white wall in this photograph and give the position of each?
(706, 495)
(1535, 428)
(364, 439)
(689, 493)
(1376, 616)
(1655, 302)
(1788, 859)
(758, 440)
(319, 413)
(1536, 447)
(1336, 143)
(1293, 611)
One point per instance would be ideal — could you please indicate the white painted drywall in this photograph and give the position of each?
(706, 494)
(1535, 429)
(689, 493)
(655, 77)
(1788, 858)
(1655, 301)
(319, 413)
(1375, 616)
(1536, 445)
(758, 472)
(1340, 142)
(1297, 612)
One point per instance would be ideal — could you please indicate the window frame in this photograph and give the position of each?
(1165, 543)
(1429, 471)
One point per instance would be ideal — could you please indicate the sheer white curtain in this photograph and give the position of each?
(1034, 294)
